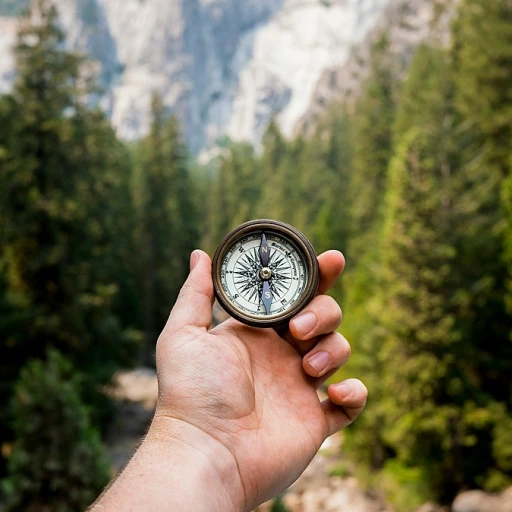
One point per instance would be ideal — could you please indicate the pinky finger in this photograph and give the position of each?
(346, 401)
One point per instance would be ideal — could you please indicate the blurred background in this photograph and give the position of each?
(134, 131)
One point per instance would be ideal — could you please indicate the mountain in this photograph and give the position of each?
(406, 24)
(225, 67)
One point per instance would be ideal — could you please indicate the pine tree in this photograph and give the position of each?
(507, 202)
(483, 61)
(274, 149)
(235, 192)
(330, 210)
(417, 312)
(61, 176)
(372, 147)
(273, 173)
(482, 58)
(167, 217)
(438, 402)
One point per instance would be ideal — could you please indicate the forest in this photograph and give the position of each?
(411, 180)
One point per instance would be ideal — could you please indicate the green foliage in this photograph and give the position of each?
(58, 462)
(418, 318)
(65, 210)
(167, 219)
(429, 301)
(342, 470)
(483, 62)
(406, 487)
(507, 204)
(372, 147)
(278, 505)
(60, 183)
(482, 68)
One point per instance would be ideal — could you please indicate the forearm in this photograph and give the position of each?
(176, 468)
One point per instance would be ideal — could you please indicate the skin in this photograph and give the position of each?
(238, 418)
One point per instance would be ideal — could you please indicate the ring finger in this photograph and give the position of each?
(329, 354)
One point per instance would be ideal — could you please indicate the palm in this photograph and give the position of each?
(284, 418)
(260, 393)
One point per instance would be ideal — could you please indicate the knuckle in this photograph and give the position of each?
(342, 347)
(334, 308)
(360, 391)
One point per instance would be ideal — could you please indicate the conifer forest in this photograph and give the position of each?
(411, 180)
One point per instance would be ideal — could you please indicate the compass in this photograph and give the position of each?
(265, 272)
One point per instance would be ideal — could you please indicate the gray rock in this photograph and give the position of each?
(479, 501)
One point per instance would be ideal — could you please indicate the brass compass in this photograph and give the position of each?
(265, 272)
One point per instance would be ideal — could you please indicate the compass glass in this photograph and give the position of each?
(263, 274)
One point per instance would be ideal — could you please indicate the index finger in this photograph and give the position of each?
(331, 265)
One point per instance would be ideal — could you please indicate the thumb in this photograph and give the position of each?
(195, 301)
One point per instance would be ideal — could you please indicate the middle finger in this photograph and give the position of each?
(321, 316)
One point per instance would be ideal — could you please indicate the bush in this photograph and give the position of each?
(278, 505)
(57, 463)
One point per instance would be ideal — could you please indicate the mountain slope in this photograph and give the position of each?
(224, 66)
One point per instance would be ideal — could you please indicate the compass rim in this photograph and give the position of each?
(300, 241)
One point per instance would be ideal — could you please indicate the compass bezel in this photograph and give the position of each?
(302, 244)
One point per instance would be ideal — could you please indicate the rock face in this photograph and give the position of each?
(223, 66)
(406, 24)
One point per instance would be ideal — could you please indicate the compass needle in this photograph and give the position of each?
(266, 297)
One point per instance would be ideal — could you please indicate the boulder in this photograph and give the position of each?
(480, 501)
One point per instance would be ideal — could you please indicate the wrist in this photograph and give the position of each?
(216, 467)
(178, 467)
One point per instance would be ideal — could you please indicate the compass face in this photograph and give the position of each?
(265, 272)
(243, 280)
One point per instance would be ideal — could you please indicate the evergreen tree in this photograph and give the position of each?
(417, 314)
(372, 147)
(274, 149)
(424, 105)
(167, 219)
(331, 228)
(283, 189)
(507, 201)
(235, 192)
(439, 404)
(272, 172)
(60, 207)
(58, 462)
(482, 59)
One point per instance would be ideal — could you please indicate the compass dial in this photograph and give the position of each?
(265, 272)
(243, 280)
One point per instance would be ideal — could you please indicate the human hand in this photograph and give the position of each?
(238, 418)
(250, 390)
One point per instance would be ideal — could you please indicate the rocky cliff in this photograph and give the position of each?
(406, 25)
(223, 66)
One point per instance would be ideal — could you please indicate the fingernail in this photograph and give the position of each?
(319, 361)
(305, 323)
(194, 258)
(344, 389)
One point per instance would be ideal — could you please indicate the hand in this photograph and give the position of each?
(241, 402)
(250, 389)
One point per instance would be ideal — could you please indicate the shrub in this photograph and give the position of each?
(57, 463)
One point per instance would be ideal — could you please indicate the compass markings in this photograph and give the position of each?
(245, 273)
